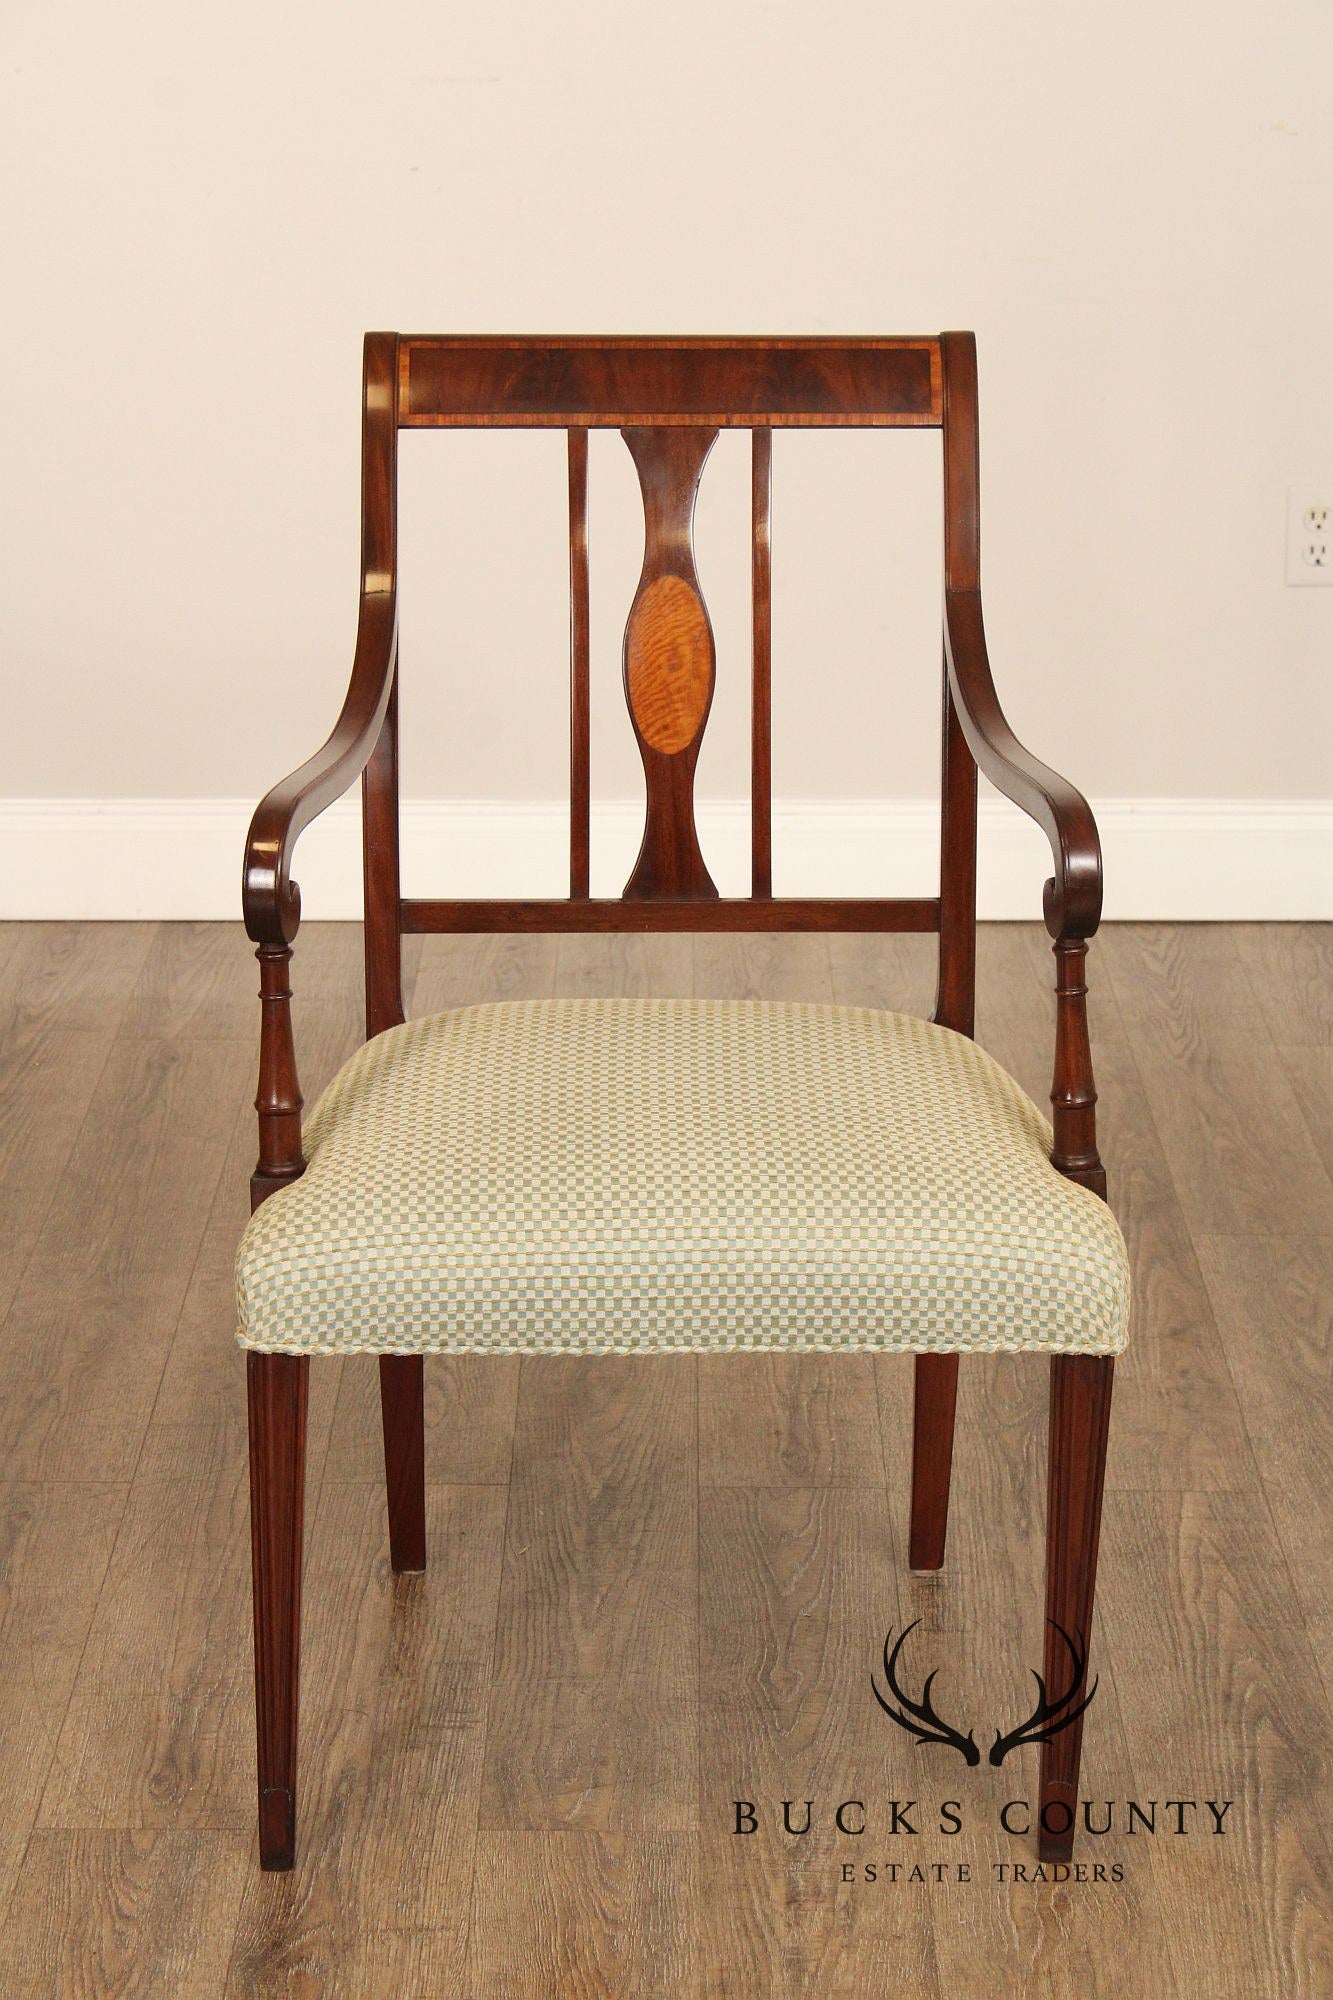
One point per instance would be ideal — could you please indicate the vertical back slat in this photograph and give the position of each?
(761, 699)
(955, 999)
(380, 871)
(955, 1004)
(579, 738)
(379, 779)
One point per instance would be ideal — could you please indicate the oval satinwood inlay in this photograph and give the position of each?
(669, 664)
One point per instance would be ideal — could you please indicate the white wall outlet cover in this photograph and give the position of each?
(1310, 534)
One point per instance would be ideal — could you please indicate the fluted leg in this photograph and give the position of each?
(932, 1457)
(1080, 1417)
(277, 1386)
(402, 1408)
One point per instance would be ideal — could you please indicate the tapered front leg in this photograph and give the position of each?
(932, 1457)
(403, 1411)
(278, 1386)
(1080, 1417)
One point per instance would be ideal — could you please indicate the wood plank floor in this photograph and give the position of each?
(656, 1585)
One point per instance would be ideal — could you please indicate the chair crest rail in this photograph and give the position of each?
(561, 380)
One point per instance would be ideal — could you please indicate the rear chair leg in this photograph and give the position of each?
(1080, 1416)
(277, 1386)
(403, 1410)
(932, 1457)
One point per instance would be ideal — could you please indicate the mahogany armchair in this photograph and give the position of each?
(786, 1177)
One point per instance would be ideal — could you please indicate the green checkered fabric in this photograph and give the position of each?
(646, 1176)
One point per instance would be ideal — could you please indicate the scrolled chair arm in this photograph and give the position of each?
(1072, 902)
(270, 898)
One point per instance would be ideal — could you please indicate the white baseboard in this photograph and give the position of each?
(1181, 859)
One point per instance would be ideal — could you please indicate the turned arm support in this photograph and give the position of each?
(278, 1098)
(1073, 1091)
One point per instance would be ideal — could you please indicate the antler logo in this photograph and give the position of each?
(1047, 1719)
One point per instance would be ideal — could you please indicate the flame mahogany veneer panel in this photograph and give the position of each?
(733, 383)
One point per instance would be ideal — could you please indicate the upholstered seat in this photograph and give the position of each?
(625, 1176)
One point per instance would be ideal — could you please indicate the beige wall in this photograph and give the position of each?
(207, 205)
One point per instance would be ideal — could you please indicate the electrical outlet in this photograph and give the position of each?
(1310, 534)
